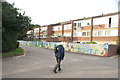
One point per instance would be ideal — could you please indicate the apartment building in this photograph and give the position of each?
(104, 28)
(43, 32)
(100, 29)
(37, 33)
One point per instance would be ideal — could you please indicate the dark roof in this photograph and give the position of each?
(103, 15)
(85, 18)
(65, 22)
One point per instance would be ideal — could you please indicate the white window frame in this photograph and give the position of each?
(86, 34)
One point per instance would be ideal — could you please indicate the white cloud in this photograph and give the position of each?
(46, 12)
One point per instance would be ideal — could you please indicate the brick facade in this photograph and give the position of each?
(86, 32)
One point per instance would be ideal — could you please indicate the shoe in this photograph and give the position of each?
(54, 71)
(59, 70)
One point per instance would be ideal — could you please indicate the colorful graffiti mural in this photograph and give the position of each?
(91, 49)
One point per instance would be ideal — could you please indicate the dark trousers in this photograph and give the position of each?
(58, 64)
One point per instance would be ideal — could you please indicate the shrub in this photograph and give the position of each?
(9, 40)
(91, 43)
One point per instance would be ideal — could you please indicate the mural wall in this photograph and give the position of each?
(91, 49)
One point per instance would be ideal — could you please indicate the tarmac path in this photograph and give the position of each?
(39, 63)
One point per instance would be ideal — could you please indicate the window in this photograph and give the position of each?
(58, 28)
(41, 35)
(100, 33)
(88, 23)
(67, 27)
(83, 33)
(94, 33)
(45, 36)
(74, 28)
(74, 24)
(107, 33)
(88, 33)
(79, 24)
(74, 34)
(110, 22)
(53, 29)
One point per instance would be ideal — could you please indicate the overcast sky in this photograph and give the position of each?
(45, 12)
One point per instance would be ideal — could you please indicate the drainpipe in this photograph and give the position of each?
(63, 32)
(39, 33)
(91, 30)
(72, 30)
(47, 33)
(33, 35)
(119, 26)
(119, 23)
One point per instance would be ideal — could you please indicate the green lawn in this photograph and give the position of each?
(18, 51)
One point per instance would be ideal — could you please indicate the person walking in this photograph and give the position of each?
(59, 54)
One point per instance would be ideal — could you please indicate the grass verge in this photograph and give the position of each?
(18, 51)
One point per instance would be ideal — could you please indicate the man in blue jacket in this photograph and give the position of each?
(59, 54)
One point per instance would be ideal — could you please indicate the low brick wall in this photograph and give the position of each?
(112, 50)
(90, 49)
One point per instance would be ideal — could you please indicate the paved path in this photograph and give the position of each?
(39, 63)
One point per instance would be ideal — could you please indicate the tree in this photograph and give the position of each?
(14, 23)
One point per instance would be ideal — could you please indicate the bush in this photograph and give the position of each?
(16, 52)
(91, 43)
(9, 40)
(118, 50)
(14, 24)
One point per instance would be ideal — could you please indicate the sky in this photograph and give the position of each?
(45, 12)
